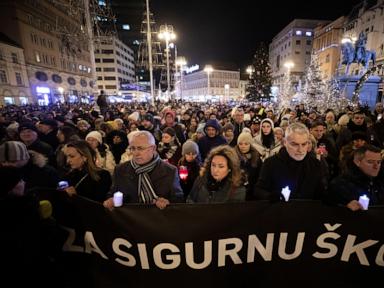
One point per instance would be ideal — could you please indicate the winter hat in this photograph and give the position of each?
(96, 135)
(359, 135)
(134, 116)
(247, 130)
(213, 123)
(200, 128)
(170, 131)
(244, 137)
(190, 147)
(228, 126)
(12, 151)
(27, 126)
(171, 112)
(49, 122)
(10, 176)
(148, 117)
(13, 126)
(269, 121)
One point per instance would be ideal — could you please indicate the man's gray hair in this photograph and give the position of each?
(298, 128)
(148, 135)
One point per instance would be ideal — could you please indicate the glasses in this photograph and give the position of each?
(138, 148)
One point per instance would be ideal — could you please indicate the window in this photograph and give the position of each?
(108, 60)
(100, 87)
(298, 42)
(308, 33)
(309, 42)
(107, 51)
(97, 60)
(19, 80)
(98, 69)
(99, 78)
(299, 33)
(37, 57)
(297, 52)
(110, 86)
(14, 58)
(109, 78)
(3, 77)
(109, 69)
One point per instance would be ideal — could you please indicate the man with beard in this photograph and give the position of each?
(292, 167)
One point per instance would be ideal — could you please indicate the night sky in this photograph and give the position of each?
(220, 33)
(211, 31)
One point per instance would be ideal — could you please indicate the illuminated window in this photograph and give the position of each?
(126, 27)
(308, 33)
(299, 33)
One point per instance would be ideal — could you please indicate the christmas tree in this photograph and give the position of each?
(314, 94)
(260, 80)
(334, 98)
(286, 92)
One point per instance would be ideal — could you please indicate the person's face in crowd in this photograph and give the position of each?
(266, 128)
(379, 108)
(199, 135)
(211, 132)
(293, 114)
(312, 116)
(330, 118)
(146, 124)
(133, 127)
(28, 136)
(74, 159)
(228, 134)
(193, 122)
(255, 127)
(60, 136)
(93, 142)
(219, 167)
(119, 125)
(297, 146)
(190, 157)
(116, 140)
(141, 150)
(244, 147)
(358, 119)
(169, 119)
(166, 138)
(278, 135)
(45, 129)
(357, 143)
(370, 164)
(82, 127)
(318, 132)
(269, 114)
(239, 116)
(186, 117)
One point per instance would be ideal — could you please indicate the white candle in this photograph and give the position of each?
(286, 193)
(117, 199)
(364, 201)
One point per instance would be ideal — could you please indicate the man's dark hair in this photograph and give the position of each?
(360, 152)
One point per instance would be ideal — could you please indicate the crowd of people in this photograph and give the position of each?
(183, 152)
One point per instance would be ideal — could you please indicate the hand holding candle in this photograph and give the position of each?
(286, 193)
(117, 199)
(183, 172)
(364, 201)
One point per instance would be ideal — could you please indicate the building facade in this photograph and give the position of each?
(14, 84)
(115, 66)
(326, 45)
(56, 47)
(223, 85)
(292, 45)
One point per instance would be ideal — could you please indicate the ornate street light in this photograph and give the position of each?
(166, 33)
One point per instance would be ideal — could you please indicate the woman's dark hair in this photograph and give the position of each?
(69, 133)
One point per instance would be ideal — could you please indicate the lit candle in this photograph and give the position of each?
(364, 201)
(286, 192)
(183, 172)
(117, 199)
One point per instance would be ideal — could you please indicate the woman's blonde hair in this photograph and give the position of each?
(86, 151)
(229, 153)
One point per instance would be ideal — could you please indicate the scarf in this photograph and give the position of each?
(144, 187)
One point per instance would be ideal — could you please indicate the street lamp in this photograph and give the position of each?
(208, 69)
(166, 33)
(180, 61)
(250, 70)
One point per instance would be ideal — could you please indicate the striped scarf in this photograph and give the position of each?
(144, 187)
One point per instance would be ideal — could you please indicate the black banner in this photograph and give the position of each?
(254, 244)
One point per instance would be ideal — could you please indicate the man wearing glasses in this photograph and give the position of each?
(146, 178)
(362, 177)
(292, 167)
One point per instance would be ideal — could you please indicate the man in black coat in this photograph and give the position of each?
(292, 167)
(146, 178)
(361, 178)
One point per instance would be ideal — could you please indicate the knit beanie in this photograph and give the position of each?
(96, 135)
(170, 131)
(200, 128)
(244, 137)
(27, 126)
(12, 151)
(269, 121)
(228, 126)
(190, 147)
